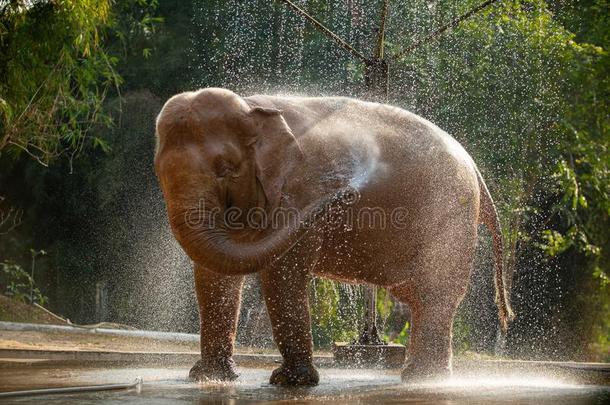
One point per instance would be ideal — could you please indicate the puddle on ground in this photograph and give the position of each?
(169, 386)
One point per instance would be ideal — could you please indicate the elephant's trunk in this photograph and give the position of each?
(228, 251)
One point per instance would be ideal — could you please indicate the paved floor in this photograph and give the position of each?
(338, 386)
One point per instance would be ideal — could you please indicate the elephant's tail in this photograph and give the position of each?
(488, 215)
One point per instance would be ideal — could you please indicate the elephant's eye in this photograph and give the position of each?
(223, 168)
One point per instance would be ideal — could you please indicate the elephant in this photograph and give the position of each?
(414, 196)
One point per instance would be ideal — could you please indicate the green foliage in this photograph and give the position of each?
(461, 335)
(384, 303)
(53, 94)
(58, 72)
(332, 322)
(16, 283)
(386, 323)
(529, 99)
(581, 180)
(152, 42)
(402, 337)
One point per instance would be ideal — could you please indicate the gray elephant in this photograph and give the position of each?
(330, 186)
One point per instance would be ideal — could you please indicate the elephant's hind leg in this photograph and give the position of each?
(219, 300)
(429, 354)
(433, 296)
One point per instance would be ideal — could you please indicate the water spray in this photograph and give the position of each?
(376, 74)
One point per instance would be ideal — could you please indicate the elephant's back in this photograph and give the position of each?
(368, 144)
(343, 120)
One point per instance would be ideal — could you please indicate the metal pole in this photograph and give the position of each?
(32, 278)
(376, 68)
(381, 34)
(377, 72)
(371, 315)
(34, 254)
(370, 335)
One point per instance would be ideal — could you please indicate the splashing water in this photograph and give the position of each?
(231, 48)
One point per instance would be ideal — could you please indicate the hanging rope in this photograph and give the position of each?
(326, 31)
(451, 24)
(376, 67)
(442, 29)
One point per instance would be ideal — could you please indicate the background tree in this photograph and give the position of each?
(523, 85)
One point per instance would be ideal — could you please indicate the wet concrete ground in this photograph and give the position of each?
(337, 386)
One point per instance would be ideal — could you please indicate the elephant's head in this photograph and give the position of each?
(216, 151)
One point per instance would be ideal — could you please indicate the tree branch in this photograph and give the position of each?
(10, 219)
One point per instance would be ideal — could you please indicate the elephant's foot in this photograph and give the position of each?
(414, 373)
(298, 375)
(214, 370)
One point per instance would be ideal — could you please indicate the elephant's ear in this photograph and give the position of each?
(276, 151)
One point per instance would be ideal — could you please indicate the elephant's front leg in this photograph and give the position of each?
(219, 300)
(287, 301)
